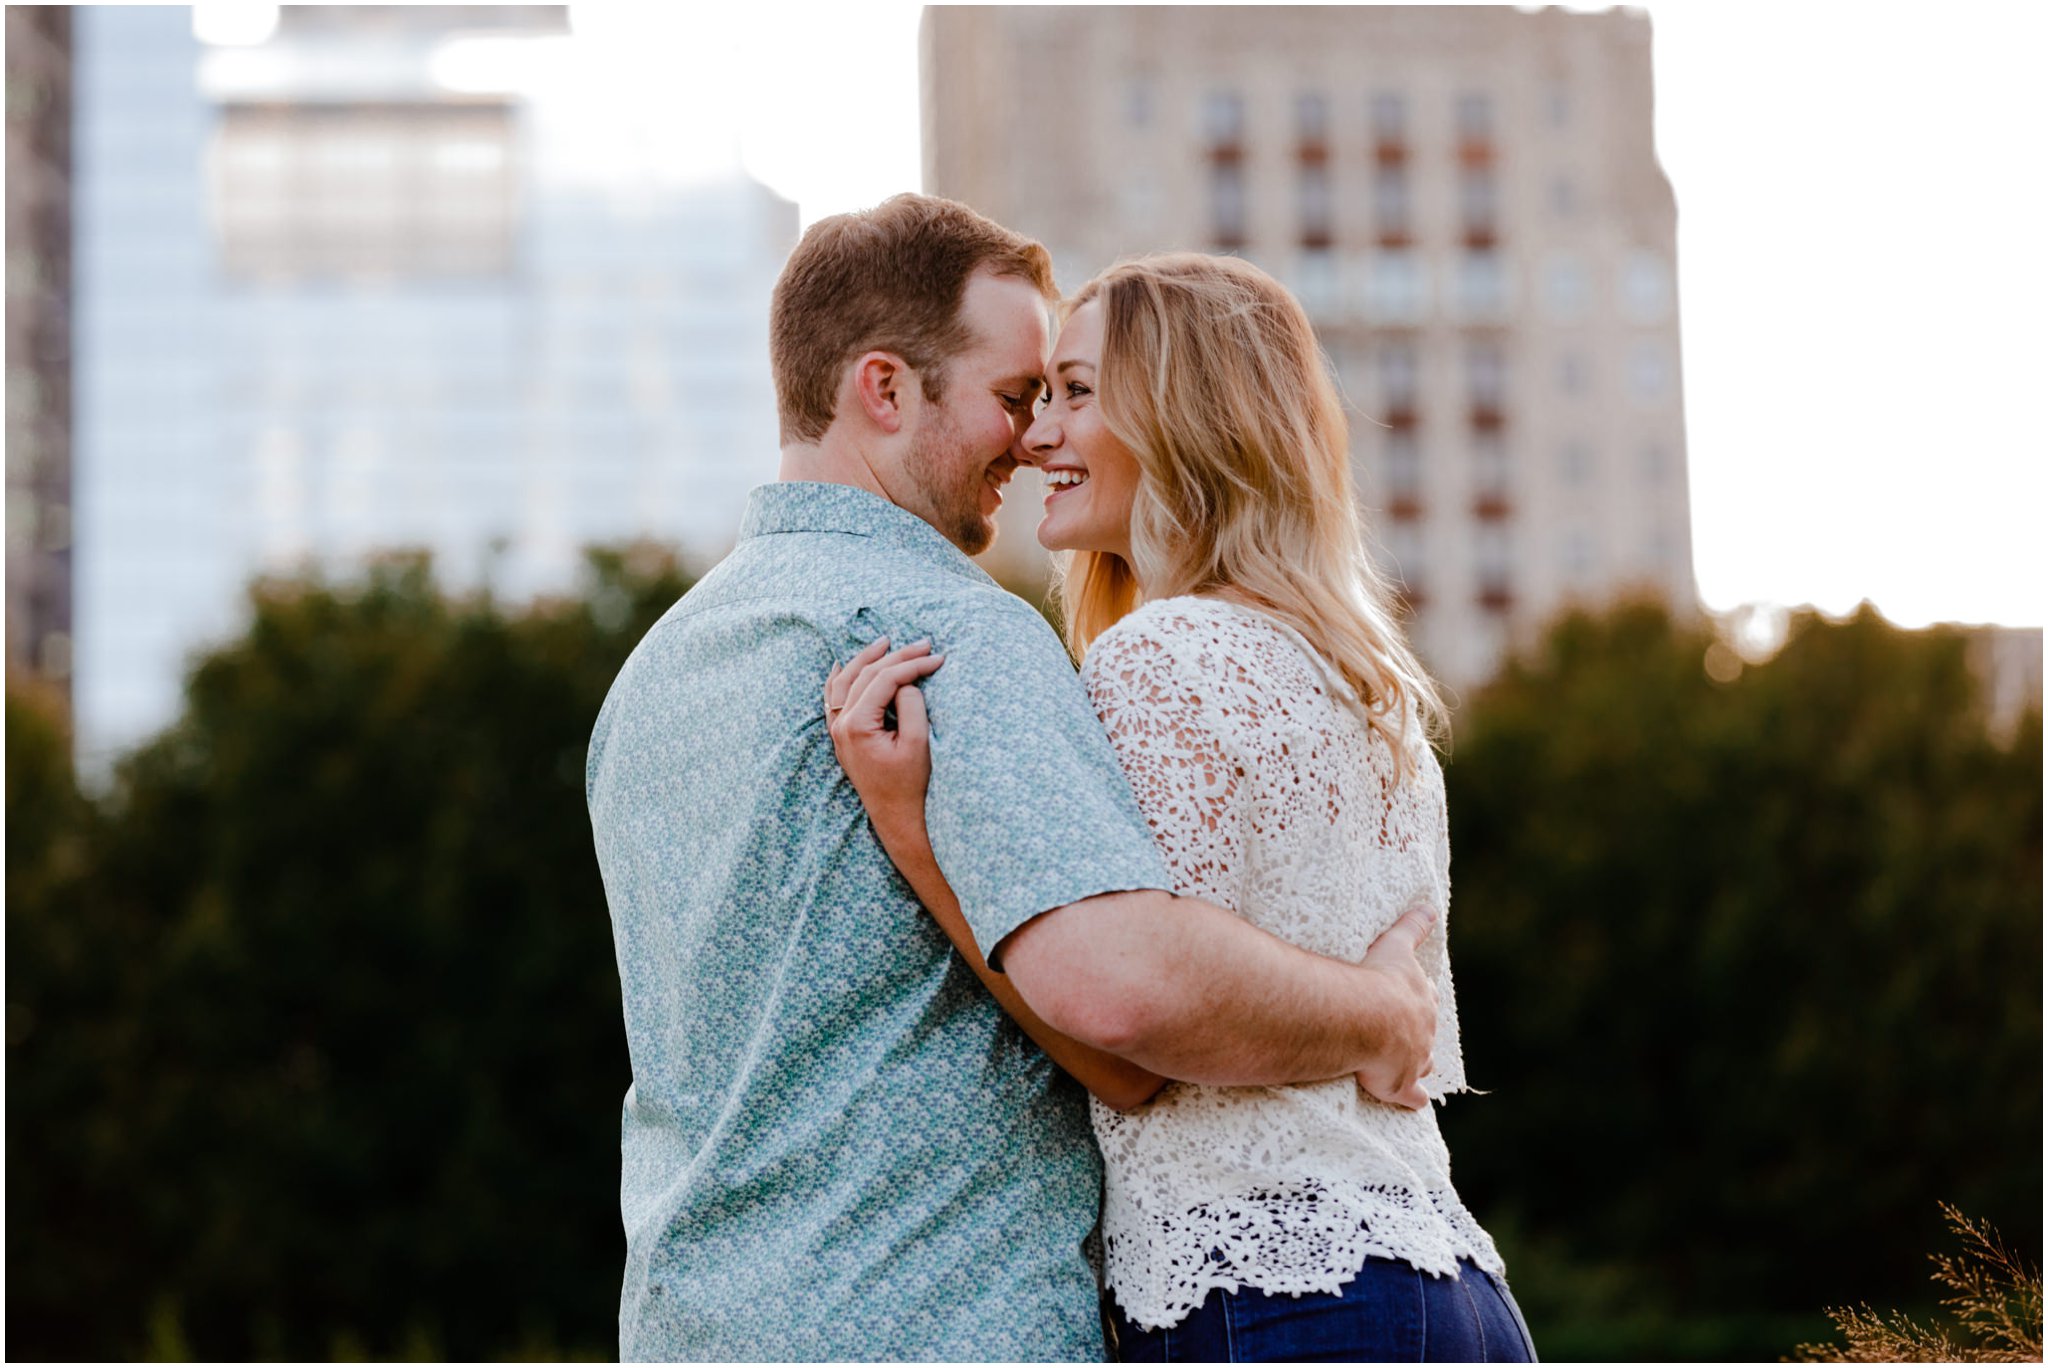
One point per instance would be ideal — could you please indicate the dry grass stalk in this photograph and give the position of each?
(1994, 1297)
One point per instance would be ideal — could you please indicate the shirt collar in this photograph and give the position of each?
(807, 506)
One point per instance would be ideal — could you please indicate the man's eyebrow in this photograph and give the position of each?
(1030, 384)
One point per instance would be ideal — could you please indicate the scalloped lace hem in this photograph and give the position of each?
(1312, 1242)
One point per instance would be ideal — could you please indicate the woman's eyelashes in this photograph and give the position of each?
(1074, 391)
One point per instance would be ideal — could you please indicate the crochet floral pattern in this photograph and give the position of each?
(1269, 795)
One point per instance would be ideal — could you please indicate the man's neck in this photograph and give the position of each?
(830, 462)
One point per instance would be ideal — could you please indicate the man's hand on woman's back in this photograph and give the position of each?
(1395, 1076)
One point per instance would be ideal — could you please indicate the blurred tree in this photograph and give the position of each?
(314, 1046)
(71, 972)
(357, 1067)
(1753, 968)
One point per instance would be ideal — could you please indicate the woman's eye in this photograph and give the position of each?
(1075, 389)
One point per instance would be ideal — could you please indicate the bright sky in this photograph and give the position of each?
(1861, 285)
(1861, 270)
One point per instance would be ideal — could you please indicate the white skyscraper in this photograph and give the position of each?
(348, 286)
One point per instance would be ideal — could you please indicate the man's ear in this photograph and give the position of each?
(881, 382)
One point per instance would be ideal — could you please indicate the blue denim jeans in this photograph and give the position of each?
(1390, 1313)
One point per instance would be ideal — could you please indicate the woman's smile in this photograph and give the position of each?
(1061, 480)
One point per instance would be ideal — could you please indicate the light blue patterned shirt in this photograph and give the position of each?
(836, 1146)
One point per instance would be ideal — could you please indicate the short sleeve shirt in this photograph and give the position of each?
(836, 1145)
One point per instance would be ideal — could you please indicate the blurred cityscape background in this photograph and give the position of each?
(376, 374)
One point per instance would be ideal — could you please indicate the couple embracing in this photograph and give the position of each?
(938, 960)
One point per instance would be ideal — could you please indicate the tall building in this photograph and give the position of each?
(1467, 201)
(39, 341)
(382, 277)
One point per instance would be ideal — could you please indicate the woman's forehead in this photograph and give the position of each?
(1081, 338)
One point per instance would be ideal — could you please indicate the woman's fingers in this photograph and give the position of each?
(853, 680)
(859, 672)
(878, 685)
(839, 681)
(910, 716)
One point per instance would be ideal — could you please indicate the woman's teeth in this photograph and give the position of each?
(1064, 479)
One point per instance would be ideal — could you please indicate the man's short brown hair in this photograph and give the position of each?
(891, 279)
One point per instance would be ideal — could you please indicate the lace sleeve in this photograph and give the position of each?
(1187, 778)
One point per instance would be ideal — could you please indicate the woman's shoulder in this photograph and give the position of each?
(1199, 642)
(1164, 631)
(1183, 618)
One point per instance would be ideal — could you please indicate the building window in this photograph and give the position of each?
(1398, 291)
(1404, 473)
(1646, 287)
(1389, 121)
(1486, 376)
(1482, 286)
(1315, 281)
(1491, 564)
(1313, 186)
(1391, 204)
(1400, 379)
(1223, 119)
(1475, 119)
(1490, 472)
(1567, 287)
(1479, 205)
(1350, 363)
(1226, 205)
(1223, 127)
(1311, 120)
(1649, 370)
(339, 190)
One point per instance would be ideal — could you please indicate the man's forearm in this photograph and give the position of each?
(1118, 1082)
(1189, 991)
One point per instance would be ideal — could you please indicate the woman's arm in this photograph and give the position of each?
(890, 769)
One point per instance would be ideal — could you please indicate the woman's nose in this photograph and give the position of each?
(1041, 438)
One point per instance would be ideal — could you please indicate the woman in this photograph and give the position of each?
(1239, 651)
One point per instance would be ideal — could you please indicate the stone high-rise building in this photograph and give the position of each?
(1468, 202)
(39, 341)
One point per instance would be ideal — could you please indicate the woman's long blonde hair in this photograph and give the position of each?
(1212, 377)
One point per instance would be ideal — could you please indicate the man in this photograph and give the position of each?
(836, 1144)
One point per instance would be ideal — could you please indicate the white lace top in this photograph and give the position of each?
(1270, 796)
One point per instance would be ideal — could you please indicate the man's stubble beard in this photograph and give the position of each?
(950, 494)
